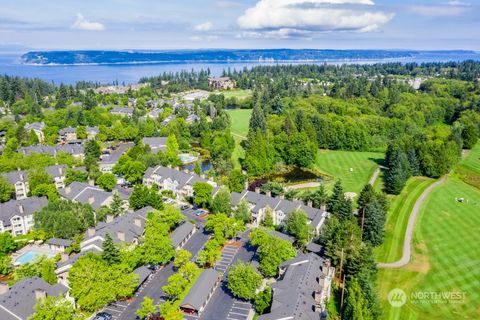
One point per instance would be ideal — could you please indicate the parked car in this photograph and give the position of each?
(185, 207)
(103, 316)
(200, 212)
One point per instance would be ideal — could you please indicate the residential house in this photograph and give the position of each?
(122, 111)
(156, 144)
(84, 193)
(179, 182)
(108, 161)
(16, 216)
(57, 172)
(168, 119)
(92, 132)
(17, 302)
(37, 127)
(302, 289)
(182, 234)
(153, 114)
(19, 179)
(60, 245)
(279, 208)
(77, 151)
(222, 83)
(68, 135)
(192, 118)
(200, 293)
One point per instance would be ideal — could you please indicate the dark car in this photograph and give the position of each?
(185, 207)
(103, 316)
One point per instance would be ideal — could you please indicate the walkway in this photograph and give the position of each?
(375, 175)
(407, 243)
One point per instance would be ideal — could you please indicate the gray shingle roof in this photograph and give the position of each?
(117, 153)
(122, 110)
(281, 236)
(56, 170)
(16, 176)
(64, 131)
(201, 289)
(83, 193)
(20, 299)
(35, 126)
(293, 296)
(60, 242)
(23, 207)
(181, 232)
(143, 272)
(181, 177)
(156, 143)
(74, 149)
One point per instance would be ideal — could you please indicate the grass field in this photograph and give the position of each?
(337, 164)
(240, 121)
(472, 161)
(397, 218)
(239, 94)
(446, 258)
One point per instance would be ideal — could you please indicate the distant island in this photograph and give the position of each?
(217, 56)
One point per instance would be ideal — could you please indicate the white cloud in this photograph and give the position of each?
(83, 24)
(439, 10)
(287, 18)
(203, 27)
(459, 3)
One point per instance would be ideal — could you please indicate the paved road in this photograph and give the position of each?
(223, 305)
(153, 287)
(407, 243)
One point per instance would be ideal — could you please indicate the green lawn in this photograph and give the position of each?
(472, 161)
(446, 257)
(240, 121)
(337, 164)
(239, 94)
(397, 219)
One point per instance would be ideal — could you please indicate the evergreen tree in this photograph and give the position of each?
(257, 121)
(337, 204)
(374, 223)
(110, 253)
(356, 307)
(116, 207)
(398, 170)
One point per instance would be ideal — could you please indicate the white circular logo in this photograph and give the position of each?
(397, 298)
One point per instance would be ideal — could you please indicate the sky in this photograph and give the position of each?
(192, 24)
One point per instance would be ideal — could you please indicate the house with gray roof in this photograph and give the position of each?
(156, 144)
(68, 134)
(109, 160)
(19, 179)
(92, 132)
(84, 193)
(302, 289)
(60, 245)
(77, 151)
(179, 182)
(200, 293)
(17, 302)
(153, 114)
(16, 216)
(182, 234)
(37, 127)
(280, 208)
(122, 111)
(57, 172)
(168, 119)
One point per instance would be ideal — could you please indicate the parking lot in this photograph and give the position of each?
(239, 310)
(228, 254)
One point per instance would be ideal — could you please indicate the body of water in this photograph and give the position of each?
(131, 73)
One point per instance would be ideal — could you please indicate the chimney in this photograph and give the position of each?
(91, 182)
(246, 184)
(282, 196)
(68, 189)
(323, 207)
(310, 203)
(138, 222)
(60, 170)
(91, 200)
(4, 287)
(21, 176)
(269, 193)
(121, 235)
(257, 190)
(110, 218)
(40, 294)
(21, 209)
(91, 232)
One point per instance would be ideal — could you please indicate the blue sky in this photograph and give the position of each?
(159, 24)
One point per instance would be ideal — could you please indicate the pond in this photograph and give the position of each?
(205, 165)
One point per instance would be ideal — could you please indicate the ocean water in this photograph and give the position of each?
(131, 73)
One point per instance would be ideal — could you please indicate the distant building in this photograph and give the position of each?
(156, 144)
(122, 111)
(19, 179)
(57, 172)
(192, 118)
(84, 193)
(179, 182)
(17, 302)
(37, 127)
(302, 289)
(92, 132)
(222, 83)
(75, 150)
(16, 216)
(68, 134)
(59, 245)
(168, 119)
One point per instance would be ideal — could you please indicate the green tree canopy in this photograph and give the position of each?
(243, 280)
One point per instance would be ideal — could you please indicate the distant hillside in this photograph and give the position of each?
(279, 55)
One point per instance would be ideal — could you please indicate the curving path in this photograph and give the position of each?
(375, 175)
(407, 242)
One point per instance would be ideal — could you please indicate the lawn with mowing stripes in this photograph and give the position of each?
(240, 121)
(446, 258)
(239, 94)
(397, 219)
(354, 168)
(472, 161)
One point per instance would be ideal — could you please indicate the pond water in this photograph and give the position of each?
(296, 175)
(205, 165)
